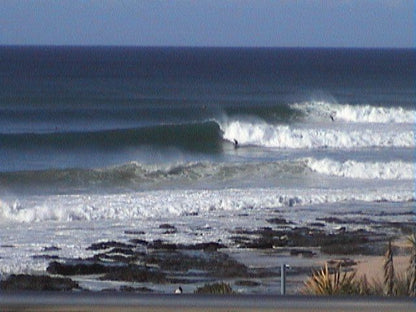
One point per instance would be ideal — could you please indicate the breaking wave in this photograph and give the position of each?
(278, 127)
(355, 113)
(285, 136)
(134, 176)
(176, 203)
(395, 170)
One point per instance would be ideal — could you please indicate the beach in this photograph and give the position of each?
(250, 265)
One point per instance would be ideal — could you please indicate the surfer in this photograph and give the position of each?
(235, 143)
(332, 116)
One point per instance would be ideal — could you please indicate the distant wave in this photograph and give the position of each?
(200, 137)
(355, 113)
(134, 176)
(394, 170)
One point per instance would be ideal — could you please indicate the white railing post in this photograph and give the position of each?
(283, 279)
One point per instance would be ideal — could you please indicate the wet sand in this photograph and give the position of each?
(372, 267)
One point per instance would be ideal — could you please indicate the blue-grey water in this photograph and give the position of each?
(111, 138)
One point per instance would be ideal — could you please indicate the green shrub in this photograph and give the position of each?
(324, 282)
(216, 288)
(327, 282)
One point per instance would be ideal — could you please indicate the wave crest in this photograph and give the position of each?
(355, 113)
(283, 136)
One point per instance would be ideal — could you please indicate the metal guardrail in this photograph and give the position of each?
(116, 301)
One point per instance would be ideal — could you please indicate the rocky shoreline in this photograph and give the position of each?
(250, 263)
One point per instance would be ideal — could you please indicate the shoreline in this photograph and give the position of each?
(252, 267)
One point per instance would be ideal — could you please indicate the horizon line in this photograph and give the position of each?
(203, 47)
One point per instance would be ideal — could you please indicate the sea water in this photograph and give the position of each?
(97, 143)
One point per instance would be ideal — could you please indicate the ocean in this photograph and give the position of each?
(97, 142)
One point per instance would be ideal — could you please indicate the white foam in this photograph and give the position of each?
(356, 113)
(395, 170)
(72, 223)
(316, 136)
(178, 202)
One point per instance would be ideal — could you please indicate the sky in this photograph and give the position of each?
(227, 23)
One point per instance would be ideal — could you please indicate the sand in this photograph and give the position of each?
(372, 267)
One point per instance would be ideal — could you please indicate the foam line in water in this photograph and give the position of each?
(175, 203)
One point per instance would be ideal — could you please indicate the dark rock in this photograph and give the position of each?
(130, 232)
(338, 242)
(121, 250)
(81, 268)
(212, 263)
(166, 226)
(317, 224)
(280, 221)
(170, 231)
(241, 240)
(116, 272)
(242, 231)
(37, 283)
(139, 242)
(107, 245)
(266, 239)
(212, 246)
(332, 220)
(46, 257)
(114, 258)
(341, 229)
(134, 273)
(230, 268)
(117, 254)
(190, 214)
(51, 248)
(159, 244)
(344, 249)
(389, 213)
(135, 289)
(189, 278)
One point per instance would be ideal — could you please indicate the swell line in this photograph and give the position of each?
(200, 137)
